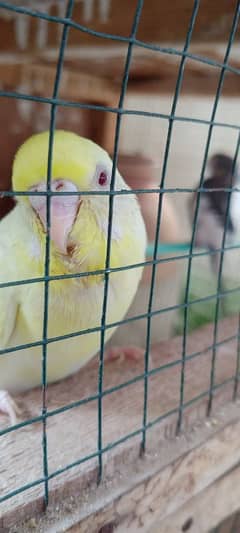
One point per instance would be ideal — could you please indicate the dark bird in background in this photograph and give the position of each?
(212, 213)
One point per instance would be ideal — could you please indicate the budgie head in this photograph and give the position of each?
(78, 222)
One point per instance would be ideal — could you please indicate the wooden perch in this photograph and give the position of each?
(154, 72)
(213, 504)
(134, 491)
(157, 73)
(98, 78)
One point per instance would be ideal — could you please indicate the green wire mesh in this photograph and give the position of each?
(187, 250)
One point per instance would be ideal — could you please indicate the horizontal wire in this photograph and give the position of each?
(76, 275)
(119, 111)
(111, 325)
(121, 192)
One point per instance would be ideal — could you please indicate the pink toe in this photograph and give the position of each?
(125, 352)
(133, 352)
(113, 354)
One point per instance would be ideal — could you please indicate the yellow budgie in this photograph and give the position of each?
(78, 241)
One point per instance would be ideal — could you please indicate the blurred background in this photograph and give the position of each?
(93, 71)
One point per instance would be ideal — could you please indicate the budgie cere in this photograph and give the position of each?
(78, 241)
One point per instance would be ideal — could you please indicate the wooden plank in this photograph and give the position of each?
(182, 488)
(206, 510)
(72, 435)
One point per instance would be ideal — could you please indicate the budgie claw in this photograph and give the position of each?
(9, 407)
(133, 353)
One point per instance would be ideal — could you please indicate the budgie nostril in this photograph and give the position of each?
(59, 186)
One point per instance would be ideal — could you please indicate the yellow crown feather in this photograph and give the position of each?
(73, 157)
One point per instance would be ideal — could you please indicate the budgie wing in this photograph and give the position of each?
(8, 303)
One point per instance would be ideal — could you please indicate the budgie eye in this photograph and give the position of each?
(102, 178)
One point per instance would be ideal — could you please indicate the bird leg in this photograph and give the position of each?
(133, 353)
(9, 407)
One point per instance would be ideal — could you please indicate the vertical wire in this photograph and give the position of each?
(166, 155)
(237, 371)
(59, 67)
(110, 216)
(209, 137)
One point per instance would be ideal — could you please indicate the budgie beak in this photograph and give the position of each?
(64, 209)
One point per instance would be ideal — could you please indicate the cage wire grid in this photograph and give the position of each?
(54, 101)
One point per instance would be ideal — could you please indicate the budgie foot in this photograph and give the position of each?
(132, 353)
(9, 407)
